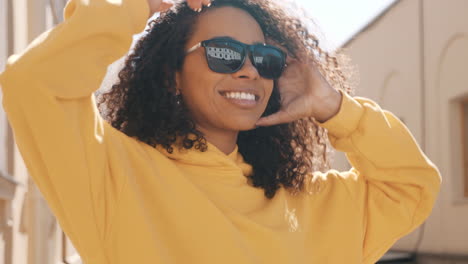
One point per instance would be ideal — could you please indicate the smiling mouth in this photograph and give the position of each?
(243, 100)
(244, 96)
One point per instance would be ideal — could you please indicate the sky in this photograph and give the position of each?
(339, 20)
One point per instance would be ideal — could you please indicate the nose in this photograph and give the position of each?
(248, 71)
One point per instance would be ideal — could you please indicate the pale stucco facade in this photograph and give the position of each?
(413, 60)
(29, 233)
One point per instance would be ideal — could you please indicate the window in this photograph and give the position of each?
(6, 145)
(464, 128)
(69, 252)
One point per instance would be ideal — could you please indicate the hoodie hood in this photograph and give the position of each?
(212, 159)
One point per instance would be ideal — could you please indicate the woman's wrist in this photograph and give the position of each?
(329, 107)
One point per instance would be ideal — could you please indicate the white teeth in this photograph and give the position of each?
(241, 96)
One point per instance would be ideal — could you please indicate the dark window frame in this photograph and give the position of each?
(464, 142)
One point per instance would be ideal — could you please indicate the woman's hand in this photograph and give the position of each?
(304, 93)
(163, 5)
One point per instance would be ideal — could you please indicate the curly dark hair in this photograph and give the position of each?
(143, 104)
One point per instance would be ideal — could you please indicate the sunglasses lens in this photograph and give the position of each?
(269, 62)
(224, 57)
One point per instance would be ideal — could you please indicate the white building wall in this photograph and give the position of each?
(423, 90)
(19, 203)
(29, 234)
(446, 54)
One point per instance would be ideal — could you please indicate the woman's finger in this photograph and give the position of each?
(165, 5)
(195, 4)
(279, 117)
(206, 3)
(290, 60)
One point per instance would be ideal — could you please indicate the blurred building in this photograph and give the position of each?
(29, 233)
(413, 60)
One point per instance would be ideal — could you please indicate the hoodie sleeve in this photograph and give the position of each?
(391, 180)
(48, 97)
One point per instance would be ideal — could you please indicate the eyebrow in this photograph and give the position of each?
(231, 38)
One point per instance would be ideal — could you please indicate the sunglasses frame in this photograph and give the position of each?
(247, 49)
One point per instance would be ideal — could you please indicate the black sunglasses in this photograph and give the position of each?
(226, 55)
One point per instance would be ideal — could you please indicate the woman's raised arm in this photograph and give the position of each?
(49, 101)
(392, 183)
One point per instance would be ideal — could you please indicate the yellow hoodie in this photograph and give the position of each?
(123, 202)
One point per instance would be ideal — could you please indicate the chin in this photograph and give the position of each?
(248, 128)
(243, 125)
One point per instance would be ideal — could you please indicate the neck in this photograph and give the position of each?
(224, 140)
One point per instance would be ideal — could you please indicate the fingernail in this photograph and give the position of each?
(199, 10)
(209, 5)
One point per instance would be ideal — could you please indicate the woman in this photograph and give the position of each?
(216, 139)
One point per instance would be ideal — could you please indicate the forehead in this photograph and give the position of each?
(227, 21)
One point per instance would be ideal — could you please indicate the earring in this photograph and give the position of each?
(178, 97)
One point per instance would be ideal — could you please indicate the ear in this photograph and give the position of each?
(178, 82)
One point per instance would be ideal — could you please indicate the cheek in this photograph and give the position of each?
(269, 85)
(198, 85)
